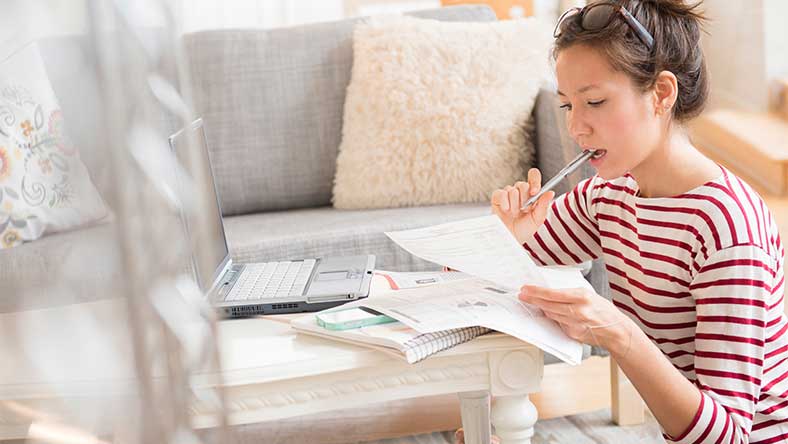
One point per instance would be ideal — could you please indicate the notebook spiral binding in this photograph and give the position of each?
(427, 344)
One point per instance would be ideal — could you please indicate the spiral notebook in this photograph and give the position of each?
(394, 338)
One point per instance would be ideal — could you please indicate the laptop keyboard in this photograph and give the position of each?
(272, 280)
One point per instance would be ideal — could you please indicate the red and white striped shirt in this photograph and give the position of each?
(702, 275)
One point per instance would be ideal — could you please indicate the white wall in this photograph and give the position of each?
(735, 53)
(776, 41)
(208, 14)
(25, 20)
(364, 8)
(746, 51)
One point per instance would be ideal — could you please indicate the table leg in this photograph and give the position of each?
(514, 418)
(475, 410)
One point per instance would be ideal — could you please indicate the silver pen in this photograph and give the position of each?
(565, 171)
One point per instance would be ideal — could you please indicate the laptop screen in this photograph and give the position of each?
(204, 221)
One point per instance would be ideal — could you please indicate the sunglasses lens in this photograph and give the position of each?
(563, 21)
(598, 16)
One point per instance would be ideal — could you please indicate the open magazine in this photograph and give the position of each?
(395, 338)
(443, 315)
(483, 248)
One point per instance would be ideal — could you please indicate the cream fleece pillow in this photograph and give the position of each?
(436, 112)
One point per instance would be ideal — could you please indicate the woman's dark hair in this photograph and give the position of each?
(675, 26)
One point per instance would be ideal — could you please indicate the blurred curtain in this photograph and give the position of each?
(102, 327)
(195, 15)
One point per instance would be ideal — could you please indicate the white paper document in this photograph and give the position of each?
(481, 247)
(398, 280)
(485, 248)
(476, 302)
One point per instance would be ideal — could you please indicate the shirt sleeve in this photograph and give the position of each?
(570, 234)
(731, 291)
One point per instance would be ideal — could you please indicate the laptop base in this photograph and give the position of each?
(247, 310)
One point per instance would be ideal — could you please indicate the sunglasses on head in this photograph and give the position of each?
(597, 16)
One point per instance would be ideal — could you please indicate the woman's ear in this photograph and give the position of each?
(666, 89)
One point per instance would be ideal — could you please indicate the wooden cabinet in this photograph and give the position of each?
(752, 145)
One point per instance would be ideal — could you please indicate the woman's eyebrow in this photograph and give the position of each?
(579, 91)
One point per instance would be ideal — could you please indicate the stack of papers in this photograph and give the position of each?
(493, 267)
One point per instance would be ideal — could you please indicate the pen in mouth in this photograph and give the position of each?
(596, 154)
(565, 171)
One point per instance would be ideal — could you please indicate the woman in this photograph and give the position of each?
(693, 255)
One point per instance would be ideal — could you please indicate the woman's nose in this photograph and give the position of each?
(577, 126)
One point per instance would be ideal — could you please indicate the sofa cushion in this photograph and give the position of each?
(440, 110)
(272, 101)
(327, 231)
(61, 269)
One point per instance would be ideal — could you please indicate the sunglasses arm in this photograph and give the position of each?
(641, 32)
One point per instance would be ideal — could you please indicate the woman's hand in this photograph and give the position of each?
(584, 316)
(507, 203)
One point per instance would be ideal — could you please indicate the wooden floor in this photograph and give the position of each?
(588, 428)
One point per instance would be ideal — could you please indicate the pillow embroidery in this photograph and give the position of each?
(44, 187)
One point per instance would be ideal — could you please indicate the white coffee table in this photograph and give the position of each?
(269, 373)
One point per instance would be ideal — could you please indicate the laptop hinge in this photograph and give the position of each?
(227, 280)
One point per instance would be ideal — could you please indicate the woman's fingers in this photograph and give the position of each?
(559, 308)
(508, 202)
(565, 321)
(542, 205)
(514, 201)
(524, 190)
(535, 293)
(497, 202)
(534, 180)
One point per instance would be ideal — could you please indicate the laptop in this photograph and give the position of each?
(239, 290)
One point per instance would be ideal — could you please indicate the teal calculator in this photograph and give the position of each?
(349, 318)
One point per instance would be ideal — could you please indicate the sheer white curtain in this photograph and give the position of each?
(195, 15)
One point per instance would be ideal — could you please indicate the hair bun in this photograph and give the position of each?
(677, 8)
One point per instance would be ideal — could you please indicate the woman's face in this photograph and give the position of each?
(605, 112)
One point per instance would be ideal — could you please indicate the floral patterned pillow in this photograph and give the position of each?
(44, 186)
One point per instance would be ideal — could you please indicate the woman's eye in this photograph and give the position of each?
(566, 106)
(597, 103)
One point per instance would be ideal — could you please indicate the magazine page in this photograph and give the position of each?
(480, 246)
(399, 280)
(394, 338)
(476, 302)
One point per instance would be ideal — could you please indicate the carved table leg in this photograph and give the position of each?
(514, 418)
(475, 410)
(514, 374)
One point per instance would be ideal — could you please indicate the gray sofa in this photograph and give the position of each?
(274, 99)
(272, 102)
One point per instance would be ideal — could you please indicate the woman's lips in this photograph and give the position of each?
(598, 157)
